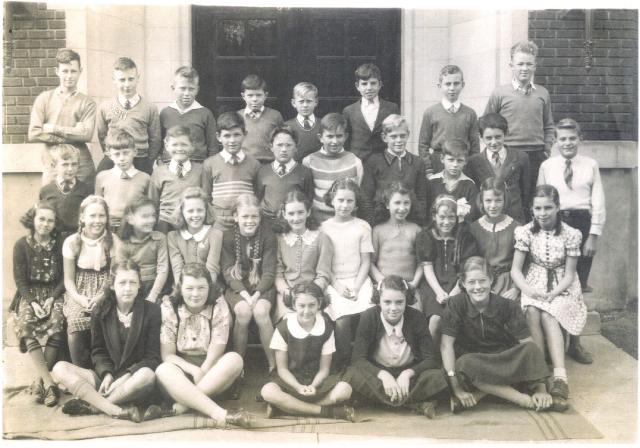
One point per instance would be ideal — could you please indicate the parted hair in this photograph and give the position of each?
(124, 63)
(344, 183)
(191, 193)
(525, 46)
(63, 151)
(455, 147)
(493, 121)
(449, 70)
(396, 283)
(178, 131)
(394, 121)
(568, 124)
(295, 195)
(302, 88)
(310, 289)
(547, 191)
(66, 55)
(253, 82)
(195, 270)
(495, 184)
(119, 139)
(475, 263)
(107, 242)
(255, 246)
(284, 129)
(230, 120)
(27, 219)
(381, 211)
(333, 121)
(188, 72)
(368, 71)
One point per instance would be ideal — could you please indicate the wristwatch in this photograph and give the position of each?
(451, 373)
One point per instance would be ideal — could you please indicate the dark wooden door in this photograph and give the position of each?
(290, 45)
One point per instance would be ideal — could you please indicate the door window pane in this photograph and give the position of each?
(262, 38)
(231, 37)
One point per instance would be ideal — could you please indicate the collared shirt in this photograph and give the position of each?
(308, 237)
(198, 236)
(132, 101)
(516, 85)
(391, 157)
(586, 192)
(195, 105)
(250, 112)
(186, 167)
(311, 118)
(295, 330)
(370, 111)
(290, 165)
(393, 349)
(60, 183)
(130, 172)
(227, 157)
(447, 105)
(502, 155)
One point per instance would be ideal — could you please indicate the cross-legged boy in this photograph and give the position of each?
(186, 111)
(577, 179)
(66, 191)
(396, 164)
(124, 182)
(170, 180)
(447, 120)
(364, 117)
(527, 108)
(331, 163)
(131, 112)
(305, 125)
(64, 115)
(259, 120)
(231, 172)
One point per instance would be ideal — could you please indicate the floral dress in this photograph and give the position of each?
(547, 257)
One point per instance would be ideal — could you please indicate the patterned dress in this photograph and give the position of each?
(38, 275)
(547, 257)
(496, 243)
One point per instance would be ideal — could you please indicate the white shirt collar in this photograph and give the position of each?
(393, 154)
(308, 237)
(198, 237)
(388, 328)
(311, 118)
(290, 165)
(71, 185)
(186, 167)
(195, 105)
(502, 153)
(298, 332)
(249, 111)
(133, 100)
(184, 312)
(516, 84)
(366, 103)
(130, 172)
(440, 175)
(227, 157)
(447, 105)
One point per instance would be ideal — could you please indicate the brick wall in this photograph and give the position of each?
(32, 36)
(603, 100)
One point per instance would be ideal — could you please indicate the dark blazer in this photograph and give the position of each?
(415, 331)
(516, 174)
(363, 141)
(142, 348)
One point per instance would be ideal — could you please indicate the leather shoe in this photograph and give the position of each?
(456, 405)
(155, 411)
(76, 406)
(559, 404)
(51, 396)
(239, 418)
(578, 353)
(130, 413)
(559, 388)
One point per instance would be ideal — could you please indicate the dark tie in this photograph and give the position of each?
(234, 160)
(282, 169)
(306, 124)
(253, 115)
(568, 173)
(66, 186)
(399, 163)
(180, 169)
(124, 175)
(127, 104)
(496, 160)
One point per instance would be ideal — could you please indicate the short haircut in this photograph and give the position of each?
(394, 121)
(333, 121)
(302, 88)
(124, 63)
(396, 283)
(568, 124)
(475, 263)
(310, 289)
(455, 147)
(493, 121)
(284, 129)
(381, 212)
(188, 72)
(525, 46)
(253, 82)
(125, 264)
(66, 55)
(27, 219)
(368, 71)
(449, 70)
(64, 151)
(179, 131)
(119, 139)
(194, 270)
(230, 120)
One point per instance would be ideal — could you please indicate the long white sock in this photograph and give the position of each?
(560, 372)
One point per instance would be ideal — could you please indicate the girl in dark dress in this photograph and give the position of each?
(487, 349)
(304, 344)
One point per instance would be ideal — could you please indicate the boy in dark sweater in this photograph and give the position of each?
(65, 192)
(259, 120)
(305, 125)
(276, 179)
(364, 118)
(396, 164)
(186, 111)
(447, 120)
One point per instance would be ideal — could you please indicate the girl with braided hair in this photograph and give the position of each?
(248, 260)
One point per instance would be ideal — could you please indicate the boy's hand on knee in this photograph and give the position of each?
(106, 382)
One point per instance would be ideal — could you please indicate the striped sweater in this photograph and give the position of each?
(325, 170)
(224, 182)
